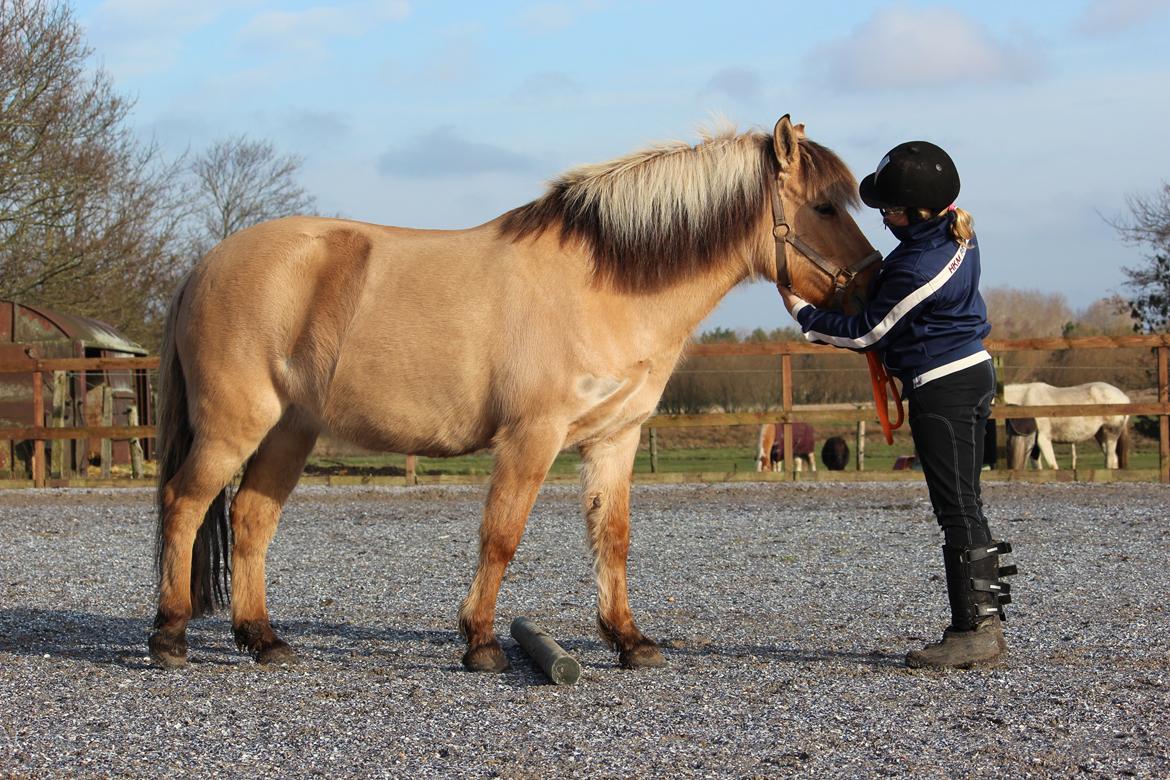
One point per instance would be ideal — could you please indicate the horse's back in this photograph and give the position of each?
(1105, 393)
(1043, 394)
(802, 438)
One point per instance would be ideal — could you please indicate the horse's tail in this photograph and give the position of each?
(209, 567)
(1123, 445)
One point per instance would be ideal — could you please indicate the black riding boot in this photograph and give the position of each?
(977, 595)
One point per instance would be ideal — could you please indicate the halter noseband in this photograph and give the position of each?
(783, 233)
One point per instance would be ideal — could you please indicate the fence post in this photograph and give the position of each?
(135, 444)
(107, 420)
(411, 466)
(653, 450)
(1163, 420)
(861, 445)
(60, 400)
(1001, 434)
(786, 404)
(38, 463)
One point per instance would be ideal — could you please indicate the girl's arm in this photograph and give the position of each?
(887, 314)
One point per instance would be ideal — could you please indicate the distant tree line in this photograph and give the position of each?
(94, 220)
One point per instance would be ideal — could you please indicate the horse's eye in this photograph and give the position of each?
(825, 209)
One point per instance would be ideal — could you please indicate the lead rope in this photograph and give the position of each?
(880, 380)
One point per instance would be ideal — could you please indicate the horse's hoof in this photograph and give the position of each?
(168, 660)
(169, 652)
(277, 654)
(644, 655)
(486, 658)
(256, 638)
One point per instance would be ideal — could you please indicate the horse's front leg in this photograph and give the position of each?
(522, 459)
(605, 474)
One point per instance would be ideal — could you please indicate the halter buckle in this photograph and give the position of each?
(781, 230)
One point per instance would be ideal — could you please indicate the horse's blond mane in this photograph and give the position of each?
(674, 209)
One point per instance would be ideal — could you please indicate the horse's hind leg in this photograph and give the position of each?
(208, 468)
(522, 459)
(605, 475)
(1107, 440)
(269, 478)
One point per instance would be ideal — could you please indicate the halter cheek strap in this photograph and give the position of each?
(784, 234)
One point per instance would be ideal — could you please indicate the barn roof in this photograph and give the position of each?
(23, 324)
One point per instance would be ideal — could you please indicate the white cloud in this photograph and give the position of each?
(442, 152)
(554, 16)
(309, 30)
(316, 129)
(143, 36)
(546, 87)
(136, 37)
(738, 83)
(1109, 17)
(903, 48)
(135, 17)
(305, 31)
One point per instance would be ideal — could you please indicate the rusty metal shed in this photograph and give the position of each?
(46, 333)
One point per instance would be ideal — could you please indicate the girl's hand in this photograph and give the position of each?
(791, 299)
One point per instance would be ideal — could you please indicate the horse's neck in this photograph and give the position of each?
(674, 312)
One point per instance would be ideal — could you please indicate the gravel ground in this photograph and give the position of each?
(784, 612)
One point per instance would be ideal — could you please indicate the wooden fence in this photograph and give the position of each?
(787, 413)
(1159, 344)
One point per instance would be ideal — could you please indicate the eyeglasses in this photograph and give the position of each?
(895, 211)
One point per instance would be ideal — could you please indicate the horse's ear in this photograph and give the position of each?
(786, 143)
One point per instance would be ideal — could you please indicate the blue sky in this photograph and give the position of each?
(444, 114)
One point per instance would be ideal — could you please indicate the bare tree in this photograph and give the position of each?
(240, 182)
(1150, 219)
(1149, 224)
(87, 220)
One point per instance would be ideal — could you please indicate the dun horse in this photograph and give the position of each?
(573, 312)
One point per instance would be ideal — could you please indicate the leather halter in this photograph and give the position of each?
(784, 234)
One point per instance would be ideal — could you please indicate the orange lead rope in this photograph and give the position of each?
(880, 381)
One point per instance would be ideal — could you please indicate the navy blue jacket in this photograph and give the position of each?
(925, 315)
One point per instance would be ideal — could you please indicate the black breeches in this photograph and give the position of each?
(948, 419)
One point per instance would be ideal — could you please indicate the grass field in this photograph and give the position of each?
(689, 459)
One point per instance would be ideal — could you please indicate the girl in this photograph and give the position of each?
(927, 320)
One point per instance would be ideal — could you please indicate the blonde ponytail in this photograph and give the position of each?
(962, 228)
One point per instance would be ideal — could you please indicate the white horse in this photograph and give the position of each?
(1109, 431)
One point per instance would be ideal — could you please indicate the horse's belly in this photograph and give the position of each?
(439, 415)
(1074, 429)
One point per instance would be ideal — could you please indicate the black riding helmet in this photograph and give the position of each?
(916, 174)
